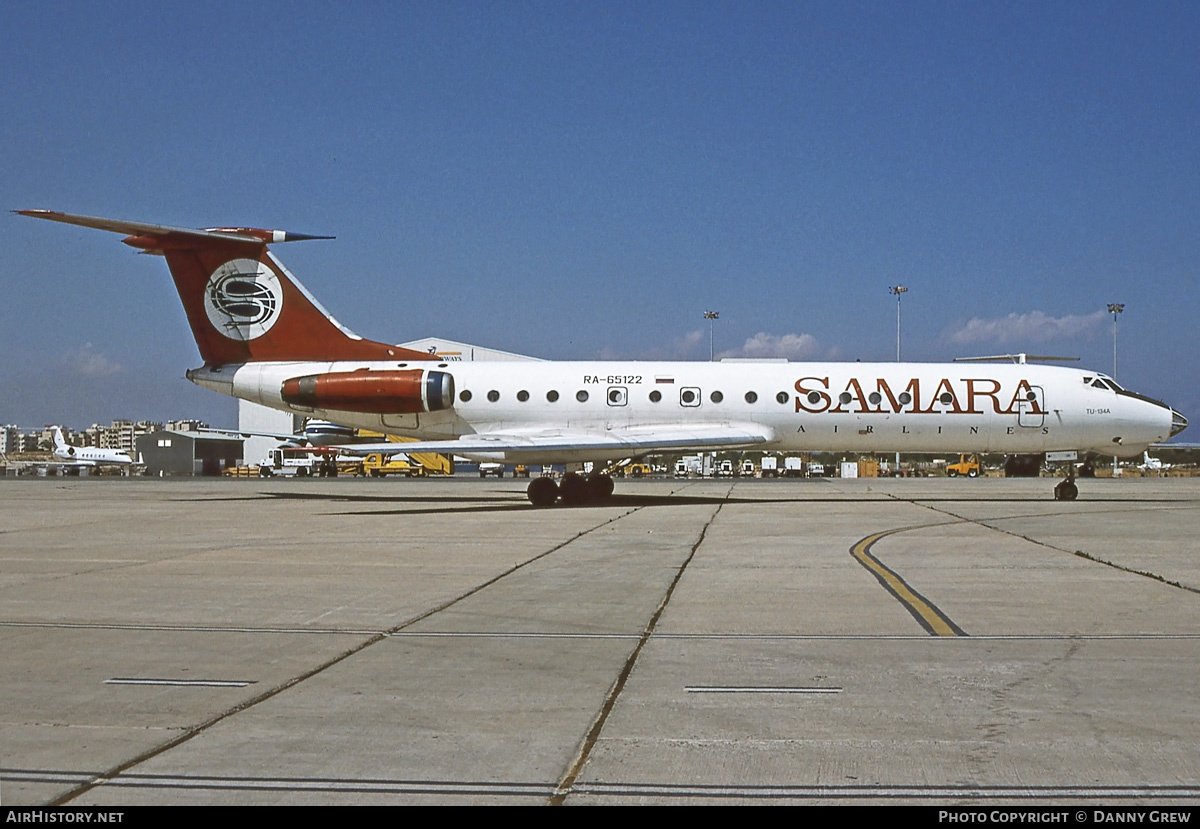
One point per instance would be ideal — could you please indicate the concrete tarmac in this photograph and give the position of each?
(440, 641)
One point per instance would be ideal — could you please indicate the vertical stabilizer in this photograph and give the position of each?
(241, 302)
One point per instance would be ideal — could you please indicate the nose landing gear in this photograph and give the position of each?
(1067, 490)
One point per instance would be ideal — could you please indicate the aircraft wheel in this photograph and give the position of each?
(542, 492)
(574, 489)
(1066, 491)
(599, 487)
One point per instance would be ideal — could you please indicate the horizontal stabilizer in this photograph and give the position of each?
(232, 234)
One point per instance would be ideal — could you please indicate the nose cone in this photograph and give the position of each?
(1178, 423)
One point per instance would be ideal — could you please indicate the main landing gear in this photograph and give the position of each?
(575, 489)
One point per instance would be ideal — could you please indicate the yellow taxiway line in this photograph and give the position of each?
(925, 612)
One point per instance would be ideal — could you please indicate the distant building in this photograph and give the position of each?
(8, 439)
(180, 453)
(121, 435)
(257, 418)
(185, 425)
(15, 442)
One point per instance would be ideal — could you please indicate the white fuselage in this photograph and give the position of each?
(851, 407)
(88, 456)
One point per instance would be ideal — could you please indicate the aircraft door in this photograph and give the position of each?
(1031, 411)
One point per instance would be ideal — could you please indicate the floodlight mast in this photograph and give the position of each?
(897, 290)
(1115, 308)
(710, 316)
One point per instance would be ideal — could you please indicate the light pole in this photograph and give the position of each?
(1115, 308)
(710, 316)
(897, 290)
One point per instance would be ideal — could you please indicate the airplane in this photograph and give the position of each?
(263, 337)
(87, 455)
(1150, 464)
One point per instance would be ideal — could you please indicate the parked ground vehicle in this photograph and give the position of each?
(299, 463)
(694, 466)
(967, 465)
(491, 468)
(378, 466)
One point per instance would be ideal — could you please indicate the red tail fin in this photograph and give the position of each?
(242, 303)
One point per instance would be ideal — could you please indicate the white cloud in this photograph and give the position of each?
(1034, 327)
(789, 346)
(687, 343)
(686, 347)
(694, 346)
(87, 362)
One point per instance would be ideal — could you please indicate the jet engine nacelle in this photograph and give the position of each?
(408, 391)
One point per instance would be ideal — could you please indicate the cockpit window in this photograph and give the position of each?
(1101, 383)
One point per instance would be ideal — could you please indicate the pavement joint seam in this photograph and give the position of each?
(1077, 553)
(567, 783)
(116, 771)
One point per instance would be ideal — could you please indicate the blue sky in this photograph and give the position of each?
(584, 180)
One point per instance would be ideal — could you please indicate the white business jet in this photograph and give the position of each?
(69, 455)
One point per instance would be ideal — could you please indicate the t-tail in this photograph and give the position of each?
(242, 304)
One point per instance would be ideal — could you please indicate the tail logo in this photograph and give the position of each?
(243, 299)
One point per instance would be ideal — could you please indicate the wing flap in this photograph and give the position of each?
(573, 445)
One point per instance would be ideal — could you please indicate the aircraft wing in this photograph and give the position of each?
(564, 445)
(284, 437)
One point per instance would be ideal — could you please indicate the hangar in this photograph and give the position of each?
(172, 452)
